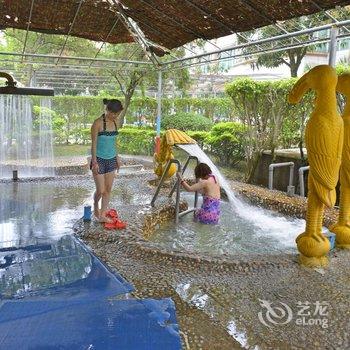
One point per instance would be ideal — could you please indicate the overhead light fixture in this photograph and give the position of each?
(10, 88)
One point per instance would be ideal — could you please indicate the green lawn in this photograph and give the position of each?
(71, 150)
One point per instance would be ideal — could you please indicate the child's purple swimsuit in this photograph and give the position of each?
(209, 213)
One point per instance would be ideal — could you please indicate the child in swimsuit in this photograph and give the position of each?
(209, 213)
(104, 158)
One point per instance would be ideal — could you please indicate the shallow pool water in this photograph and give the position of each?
(54, 292)
(32, 212)
(38, 252)
(267, 233)
(37, 249)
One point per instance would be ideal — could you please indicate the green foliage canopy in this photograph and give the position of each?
(227, 142)
(186, 121)
(262, 108)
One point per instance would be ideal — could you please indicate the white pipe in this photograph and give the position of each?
(291, 174)
(301, 179)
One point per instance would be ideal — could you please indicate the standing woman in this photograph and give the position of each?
(104, 160)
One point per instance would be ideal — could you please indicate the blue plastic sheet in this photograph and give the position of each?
(119, 324)
(64, 268)
(55, 294)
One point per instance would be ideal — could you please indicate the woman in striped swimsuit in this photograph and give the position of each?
(104, 160)
(209, 213)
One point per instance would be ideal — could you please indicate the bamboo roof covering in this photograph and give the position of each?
(169, 23)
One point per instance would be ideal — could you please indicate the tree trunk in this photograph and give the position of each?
(302, 156)
(294, 70)
(128, 93)
(295, 58)
(30, 75)
(252, 165)
(273, 153)
(121, 118)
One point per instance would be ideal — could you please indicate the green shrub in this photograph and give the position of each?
(199, 136)
(341, 99)
(138, 127)
(186, 121)
(226, 141)
(262, 107)
(84, 135)
(57, 121)
(136, 141)
(88, 108)
(342, 68)
(72, 113)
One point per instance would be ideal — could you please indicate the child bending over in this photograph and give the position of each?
(209, 212)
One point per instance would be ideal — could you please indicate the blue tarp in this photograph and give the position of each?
(119, 324)
(64, 268)
(55, 294)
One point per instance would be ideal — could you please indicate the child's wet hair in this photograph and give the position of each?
(202, 170)
(113, 105)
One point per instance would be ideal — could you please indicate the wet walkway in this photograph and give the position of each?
(54, 293)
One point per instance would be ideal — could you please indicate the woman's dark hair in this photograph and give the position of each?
(202, 170)
(113, 105)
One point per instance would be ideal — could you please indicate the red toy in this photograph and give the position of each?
(116, 224)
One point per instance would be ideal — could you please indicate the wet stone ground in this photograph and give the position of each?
(225, 303)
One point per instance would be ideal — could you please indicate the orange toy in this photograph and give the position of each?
(116, 224)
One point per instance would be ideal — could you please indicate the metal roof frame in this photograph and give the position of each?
(28, 26)
(106, 38)
(208, 56)
(297, 38)
(136, 32)
(75, 58)
(70, 30)
(185, 62)
(79, 67)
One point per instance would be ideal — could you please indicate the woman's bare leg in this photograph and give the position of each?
(100, 188)
(108, 184)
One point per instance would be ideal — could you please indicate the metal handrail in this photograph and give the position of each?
(183, 171)
(290, 188)
(301, 179)
(171, 161)
(177, 203)
(176, 187)
(195, 194)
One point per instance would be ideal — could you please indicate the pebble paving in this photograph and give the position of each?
(219, 298)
